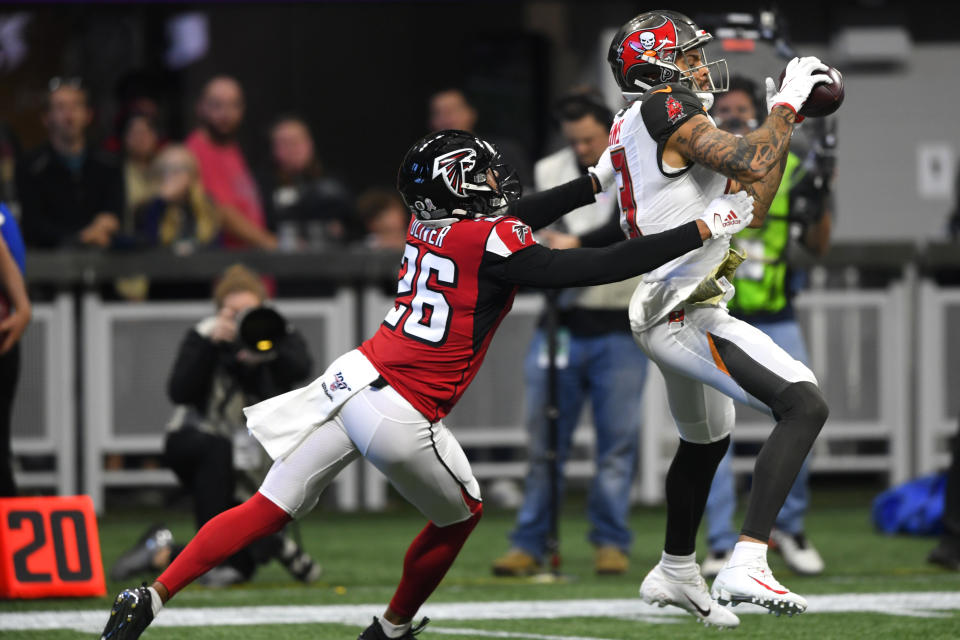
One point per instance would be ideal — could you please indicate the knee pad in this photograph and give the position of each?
(476, 512)
(801, 400)
(709, 430)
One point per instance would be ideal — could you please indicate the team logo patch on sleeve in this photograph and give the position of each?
(522, 232)
(509, 236)
(674, 109)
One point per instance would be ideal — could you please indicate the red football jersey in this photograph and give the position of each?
(432, 343)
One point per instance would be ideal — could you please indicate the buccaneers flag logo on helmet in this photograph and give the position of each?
(649, 45)
(453, 167)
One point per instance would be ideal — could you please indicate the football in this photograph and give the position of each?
(825, 98)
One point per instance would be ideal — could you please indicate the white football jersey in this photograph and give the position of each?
(655, 197)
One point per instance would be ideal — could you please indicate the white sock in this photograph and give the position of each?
(744, 552)
(393, 630)
(155, 602)
(679, 567)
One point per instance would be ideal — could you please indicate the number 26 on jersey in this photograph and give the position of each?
(421, 310)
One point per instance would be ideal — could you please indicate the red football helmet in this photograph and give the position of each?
(644, 54)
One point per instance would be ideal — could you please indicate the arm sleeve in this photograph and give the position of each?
(537, 266)
(192, 374)
(605, 235)
(667, 107)
(543, 208)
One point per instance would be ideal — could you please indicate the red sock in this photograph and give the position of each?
(430, 555)
(222, 537)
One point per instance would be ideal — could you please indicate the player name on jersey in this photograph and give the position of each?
(429, 234)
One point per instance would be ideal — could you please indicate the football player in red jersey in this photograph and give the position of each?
(469, 247)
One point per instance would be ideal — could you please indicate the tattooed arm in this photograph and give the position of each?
(755, 162)
(763, 190)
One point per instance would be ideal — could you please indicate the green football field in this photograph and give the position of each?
(875, 586)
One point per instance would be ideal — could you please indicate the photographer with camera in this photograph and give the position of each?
(243, 354)
(800, 214)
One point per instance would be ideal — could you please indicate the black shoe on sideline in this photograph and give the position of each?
(132, 611)
(375, 631)
(140, 557)
(298, 562)
(946, 555)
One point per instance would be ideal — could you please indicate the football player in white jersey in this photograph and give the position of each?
(672, 160)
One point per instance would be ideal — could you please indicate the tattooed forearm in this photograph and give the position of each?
(763, 191)
(747, 159)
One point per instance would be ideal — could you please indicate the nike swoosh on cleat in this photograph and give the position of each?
(767, 587)
(703, 612)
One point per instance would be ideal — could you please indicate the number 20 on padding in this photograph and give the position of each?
(49, 547)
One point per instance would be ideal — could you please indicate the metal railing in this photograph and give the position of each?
(883, 355)
(42, 423)
(124, 380)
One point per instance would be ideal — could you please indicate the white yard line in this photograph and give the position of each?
(916, 604)
(519, 635)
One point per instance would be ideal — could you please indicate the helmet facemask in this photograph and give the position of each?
(717, 76)
(488, 200)
(508, 188)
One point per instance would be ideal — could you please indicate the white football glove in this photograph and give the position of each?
(603, 171)
(728, 214)
(772, 101)
(771, 86)
(798, 81)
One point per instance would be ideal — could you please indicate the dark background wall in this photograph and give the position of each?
(361, 72)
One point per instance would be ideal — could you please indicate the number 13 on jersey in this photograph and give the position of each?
(422, 312)
(628, 203)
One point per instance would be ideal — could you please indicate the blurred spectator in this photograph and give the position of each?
(70, 193)
(214, 376)
(385, 218)
(306, 208)
(15, 312)
(179, 214)
(801, 210)
(141, 141)
(223, 169)
(597, 360)
(450, 109)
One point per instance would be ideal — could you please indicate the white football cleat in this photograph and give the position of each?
(691, 596)
(797, 551)
(754, 582)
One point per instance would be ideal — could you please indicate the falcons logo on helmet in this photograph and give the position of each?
(453, 168)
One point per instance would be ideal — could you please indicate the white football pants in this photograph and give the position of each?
(423, 461)
(700, 391)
